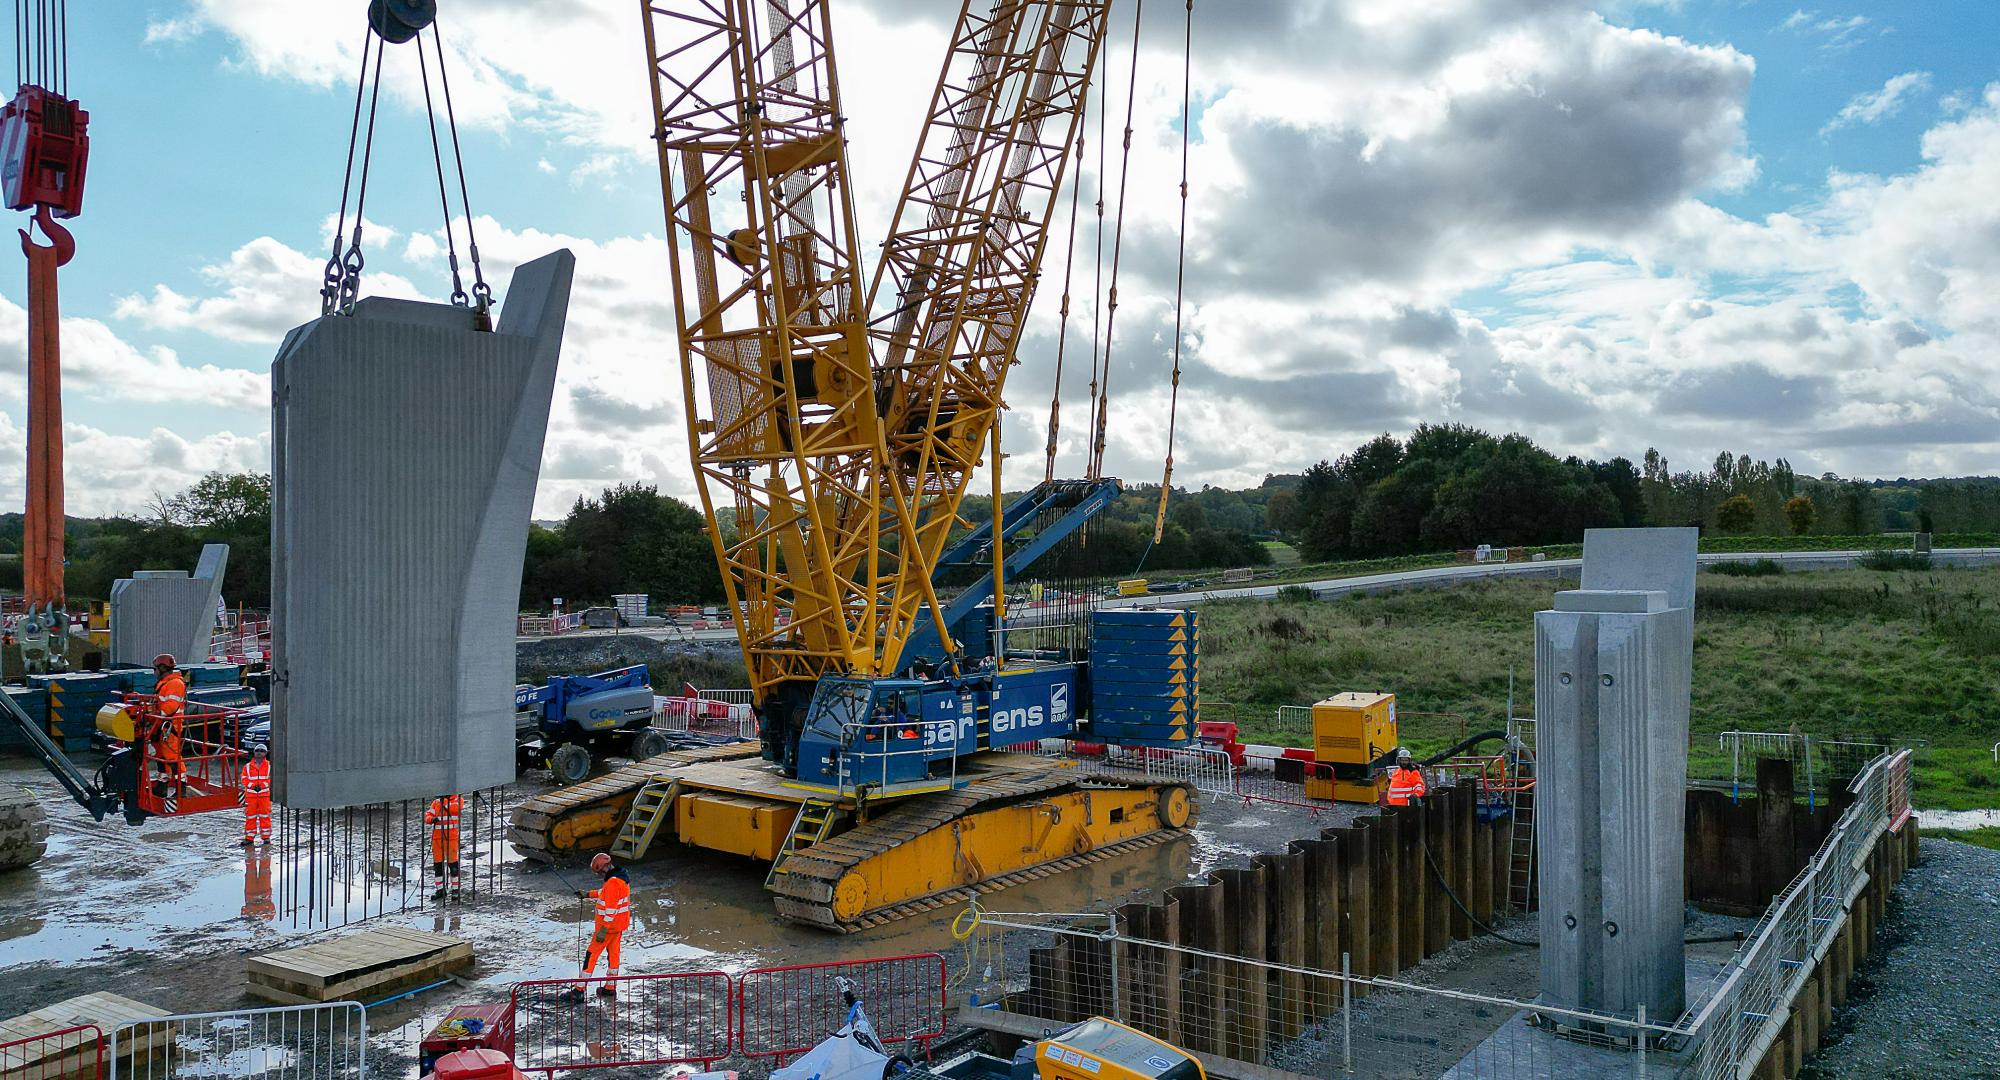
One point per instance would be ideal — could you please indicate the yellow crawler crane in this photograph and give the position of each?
(834, 429)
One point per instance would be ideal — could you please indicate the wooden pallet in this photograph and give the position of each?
(71, 1056)
(361, 967)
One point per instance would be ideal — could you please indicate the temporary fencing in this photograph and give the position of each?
(722, 713)
(783, 1011)
(704, 1017)
(1744, 1009)
(1205, 769)
(71, 1053)
(673, 1019)
(294, 1042)
(1818, 765)
(1054, 971)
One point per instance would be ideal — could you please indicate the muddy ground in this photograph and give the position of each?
(168, 912)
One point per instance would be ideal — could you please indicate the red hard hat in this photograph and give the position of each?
(164, 660)
(600, 863)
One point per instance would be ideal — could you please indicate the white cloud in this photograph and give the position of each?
(512, 64)
(100, 365)
(107, 474)
(266, 288)
(1875, 106)
(1836, 33)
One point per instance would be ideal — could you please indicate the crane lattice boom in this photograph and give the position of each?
(841, 446)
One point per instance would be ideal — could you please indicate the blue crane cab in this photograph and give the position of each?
(879, 736)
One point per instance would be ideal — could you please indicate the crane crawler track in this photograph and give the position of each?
(808, 888)
(583, 818)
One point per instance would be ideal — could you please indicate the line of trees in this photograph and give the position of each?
(1446, 487)
(1450, 486)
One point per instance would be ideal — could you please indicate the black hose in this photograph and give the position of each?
(1460, 904)
(1466, 743)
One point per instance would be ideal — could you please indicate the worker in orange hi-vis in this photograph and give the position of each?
(1406, 781)
(257, 796)
(442, 817)
(170, 694)
(614, 915)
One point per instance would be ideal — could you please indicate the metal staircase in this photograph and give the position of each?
(814, 824)
(653, 806)
(1521, 805)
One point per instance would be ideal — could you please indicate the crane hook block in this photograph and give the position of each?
(400, 20)
(46, 146)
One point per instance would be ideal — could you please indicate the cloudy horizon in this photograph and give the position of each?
(1698, 226)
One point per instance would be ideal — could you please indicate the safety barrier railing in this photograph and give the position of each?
(1203, 768)
(1283, 781)
(1058, 969)
(71, 1053)
(705, 716)
(1741, 1013)
(206, 774)
(1818, 764)
(684, 1018)
(874, 751)
(705, 1017)
(292, 1042)
(783, 1011)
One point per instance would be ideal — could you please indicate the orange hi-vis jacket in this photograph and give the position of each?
(172, 691)
(614, 904)
(1404, 785)
(442, 817)
(256, 780)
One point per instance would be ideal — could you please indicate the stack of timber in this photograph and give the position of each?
(32, 1056)
(359, 967)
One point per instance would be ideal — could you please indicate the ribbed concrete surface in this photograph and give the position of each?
(405, 449)
(1612, 686)
(167, 611)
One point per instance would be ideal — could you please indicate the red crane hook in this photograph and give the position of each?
(60, 238)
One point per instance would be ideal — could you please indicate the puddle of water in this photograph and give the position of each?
(1958, 819)
(201, 1061)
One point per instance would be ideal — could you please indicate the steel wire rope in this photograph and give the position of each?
(1117, 247)
(1097, 285)
(1180, 277)
(1062, 326)
(350, 283)
(482, 293)
(458, 296)
(335, 272)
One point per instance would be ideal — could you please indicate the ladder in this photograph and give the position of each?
(814, 824)
(653, 806)
(1521, 807)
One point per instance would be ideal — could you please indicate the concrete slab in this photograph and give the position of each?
(405, 450)
(167, 611)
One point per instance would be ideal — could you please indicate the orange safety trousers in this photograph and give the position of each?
(603, 941)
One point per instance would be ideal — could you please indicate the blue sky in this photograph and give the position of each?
(1608, 229)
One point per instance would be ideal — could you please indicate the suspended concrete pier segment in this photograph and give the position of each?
(406, 444)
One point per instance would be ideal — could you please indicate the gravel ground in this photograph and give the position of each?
(1923, 1004)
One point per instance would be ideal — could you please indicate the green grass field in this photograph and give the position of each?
(1858, 654)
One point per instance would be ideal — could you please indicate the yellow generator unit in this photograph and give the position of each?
(1354, 735)
(1133, 587)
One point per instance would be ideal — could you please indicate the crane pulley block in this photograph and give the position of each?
(45, 146)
